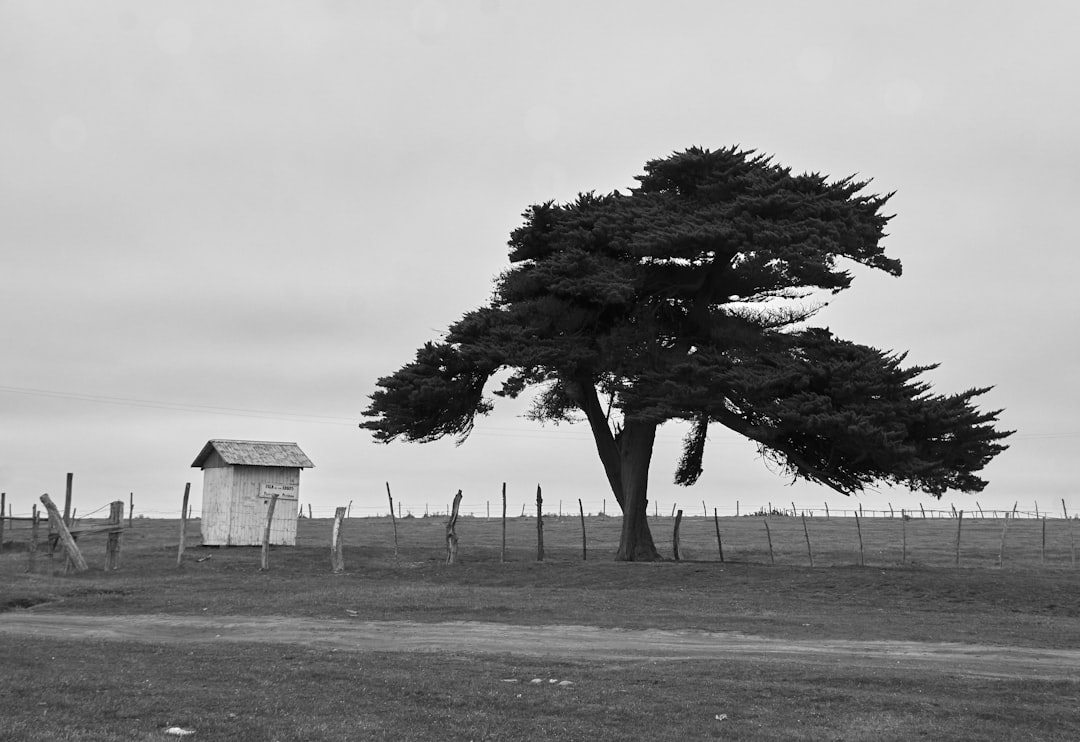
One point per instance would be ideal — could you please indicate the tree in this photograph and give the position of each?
(687, 299)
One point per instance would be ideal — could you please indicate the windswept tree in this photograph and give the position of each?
(688, 299)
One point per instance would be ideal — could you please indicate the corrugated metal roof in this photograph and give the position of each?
(255, 453)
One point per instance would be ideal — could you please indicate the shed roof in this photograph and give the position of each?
(255, 453)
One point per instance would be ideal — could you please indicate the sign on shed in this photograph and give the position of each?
(239, 480)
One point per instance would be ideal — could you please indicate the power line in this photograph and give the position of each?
(183, 407)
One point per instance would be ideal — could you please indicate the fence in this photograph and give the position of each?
(768, 534)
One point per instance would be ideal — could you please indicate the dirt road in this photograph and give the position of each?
(561, 641)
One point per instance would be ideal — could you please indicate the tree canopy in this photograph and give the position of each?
(688, 299)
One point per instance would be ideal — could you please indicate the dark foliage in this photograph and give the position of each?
(687, 299)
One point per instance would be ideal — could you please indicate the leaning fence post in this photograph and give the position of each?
(265, 562)
(392, 518)
(719, 543)
(74, 556)
(183, 525)
(858, 527)
(768, 535)
(337, 551)
(675, 536)
(807, 534)
(584, 544)
(539, 525)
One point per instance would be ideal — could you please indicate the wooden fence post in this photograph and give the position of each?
(74, 556)
(67, 500)
(1042, 552)
(264, 563)
(719, 543)
(392, 518)
(806, 532)
(539, 525)
(858, 526)
(3, 501)
(1064, 510)
(705, 508)
(768, 534)
(502, 552)
(31, 551)
(1001, 549)
(337, 550)
(959, 522)
(451, 531)
(903, 526)
(131, 507)
(183, 525)
(826, 511)
(112, 543)
(584, 544)
(1072, 543)
(675, 536)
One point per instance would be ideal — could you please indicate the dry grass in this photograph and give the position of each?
(129, 691)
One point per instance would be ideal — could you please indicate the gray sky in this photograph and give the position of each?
(226, 220)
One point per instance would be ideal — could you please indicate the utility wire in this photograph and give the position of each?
(182, 407)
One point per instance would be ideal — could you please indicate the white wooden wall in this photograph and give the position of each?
(216, 505)
(234, 514)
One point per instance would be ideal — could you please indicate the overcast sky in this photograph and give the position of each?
(227, 220)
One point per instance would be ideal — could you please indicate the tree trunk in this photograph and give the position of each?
(626, 459)
(635, 453)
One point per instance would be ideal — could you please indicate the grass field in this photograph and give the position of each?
(117, 688)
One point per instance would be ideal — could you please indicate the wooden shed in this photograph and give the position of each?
(239, 479)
